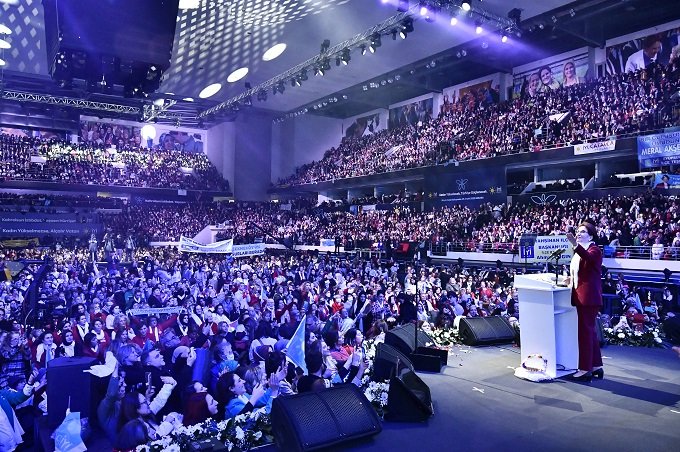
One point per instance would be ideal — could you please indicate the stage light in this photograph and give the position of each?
(148, 132)
(454, 21)
(4, 30)
(363, 49)
(325, 45)
(406, 27)
(478, 27)
(375, 42)
(465, 6)
(345, 57)
(423, 10)
(303, 75)
(504, 38)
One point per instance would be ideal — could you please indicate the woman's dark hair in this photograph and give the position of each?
(195, 409)
(131, 435)
(331, 338)
(351, 336)
(128, 408)
(223, 390)
(590, 227)
(264, 329)
(87, 340)
(273, 362)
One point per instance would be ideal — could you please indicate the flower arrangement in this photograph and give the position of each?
(650, 337)
(240, 433)
(444, 337)
(376, 393)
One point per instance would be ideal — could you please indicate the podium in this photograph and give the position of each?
(548, 323)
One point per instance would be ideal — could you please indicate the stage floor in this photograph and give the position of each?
(480, 405)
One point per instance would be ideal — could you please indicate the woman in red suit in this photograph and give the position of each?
(586, 295)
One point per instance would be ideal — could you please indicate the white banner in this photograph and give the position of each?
(187, 245)
(590, 148)
(150, 311)
(252, 249)
(545, 245)
(327, 242)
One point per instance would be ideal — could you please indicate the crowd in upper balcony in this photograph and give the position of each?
(107, 160)
(472, 127)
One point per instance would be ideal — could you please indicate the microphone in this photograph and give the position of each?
(557, 253)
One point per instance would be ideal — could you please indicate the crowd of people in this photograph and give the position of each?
(472, 128)
(97, 163)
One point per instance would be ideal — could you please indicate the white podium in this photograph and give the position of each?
(548, 322)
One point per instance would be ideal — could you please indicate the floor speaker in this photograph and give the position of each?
(403, 338)
(68, 386)
(389, 362)
(326, 418)
(485, 330)
(409, 398)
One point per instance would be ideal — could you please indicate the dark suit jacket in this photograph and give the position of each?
(589, 289)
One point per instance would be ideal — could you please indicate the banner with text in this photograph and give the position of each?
(187, 245)
(252, 249)
(546, 245)
(447, 186)
(591, 148)
(660, 149)
(33, 224)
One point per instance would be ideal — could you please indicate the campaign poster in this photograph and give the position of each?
(639, 53)
(365, 125)
(564, 72)
(411, 114)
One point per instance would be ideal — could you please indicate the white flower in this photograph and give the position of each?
(622, 336)
(657, 340)
(240, 434)
(655, 333)
(172, 448)
(257, 435)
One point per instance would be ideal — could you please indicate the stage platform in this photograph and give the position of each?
(480, 405)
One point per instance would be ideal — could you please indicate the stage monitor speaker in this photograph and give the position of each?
(423, 357)
(326, 418)
(485, 330)
(403, 338)
(409, 398)
(68, 384)
(389, 362)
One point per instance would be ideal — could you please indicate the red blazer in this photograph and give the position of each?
(589, 289)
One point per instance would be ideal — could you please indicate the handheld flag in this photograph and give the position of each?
(296, 346)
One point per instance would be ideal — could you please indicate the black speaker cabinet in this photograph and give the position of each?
(423, 357)
(68, 384)
(389, 362)
(409, 398)
(330, 417)
(485, 330)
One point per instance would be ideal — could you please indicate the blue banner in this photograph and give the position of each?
(459, 185)
(664, 180)
(32, 224)
(659, 150)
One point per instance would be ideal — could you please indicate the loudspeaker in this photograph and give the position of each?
(409, 398)
(68, 385)
(403, 338)
(389, 362)
(485, 330)
(326, 418)
(424, 358)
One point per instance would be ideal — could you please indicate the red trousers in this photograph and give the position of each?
(588, 345)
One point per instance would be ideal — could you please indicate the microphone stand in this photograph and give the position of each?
(557, 269)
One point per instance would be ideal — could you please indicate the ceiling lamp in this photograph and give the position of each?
(406, 27)
(237, 75)
(274, 52)
(4, 44)
(210, 90)
(4, 30)
(466, 6)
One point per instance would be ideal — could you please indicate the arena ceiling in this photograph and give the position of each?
(215, 37)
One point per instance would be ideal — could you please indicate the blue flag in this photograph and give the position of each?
(67, 436)
(296, 346)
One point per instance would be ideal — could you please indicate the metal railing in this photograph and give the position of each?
(668, 253)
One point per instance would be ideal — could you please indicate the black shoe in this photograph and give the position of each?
(586, 377)
(598, 374)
